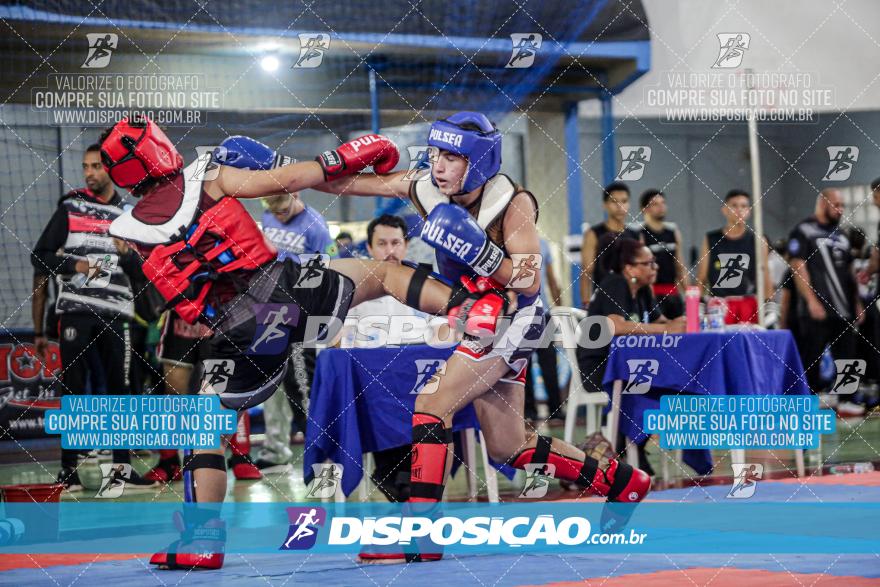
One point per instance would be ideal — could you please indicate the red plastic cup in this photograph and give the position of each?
(40, 524)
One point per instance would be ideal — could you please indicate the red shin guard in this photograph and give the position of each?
(240, 443)
(428, 471)
(617, 481)
(429, 453)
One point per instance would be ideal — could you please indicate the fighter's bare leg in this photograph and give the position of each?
(210, 484)
(499, 404)
(497, 410)
(203, 534)
(503, 403)
(177, 377)
(374, 279)
(463, 381)
(519, 447)
(202, 540)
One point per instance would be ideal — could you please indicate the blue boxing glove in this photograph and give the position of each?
(449, 228)
(247, 153)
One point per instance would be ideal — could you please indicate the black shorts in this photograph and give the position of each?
(182, 344)
(252, 337)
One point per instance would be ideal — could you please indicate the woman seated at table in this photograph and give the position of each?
(625, 297)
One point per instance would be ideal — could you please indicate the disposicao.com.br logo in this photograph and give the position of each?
(543, 530)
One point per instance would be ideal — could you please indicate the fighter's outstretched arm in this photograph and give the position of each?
(393, 185)
(246, 183)
(241, 180)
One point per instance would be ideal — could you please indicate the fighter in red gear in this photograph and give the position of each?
(207, 257)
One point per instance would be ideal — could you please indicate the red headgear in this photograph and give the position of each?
(137, 150)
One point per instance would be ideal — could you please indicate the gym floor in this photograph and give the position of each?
(854, 442)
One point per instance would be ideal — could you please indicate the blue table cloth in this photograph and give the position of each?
(706, 363)
(362, 400)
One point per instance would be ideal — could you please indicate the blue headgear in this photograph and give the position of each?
(482, 148)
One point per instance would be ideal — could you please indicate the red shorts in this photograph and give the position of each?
(664, 289)
(477, 353)
(741, 310)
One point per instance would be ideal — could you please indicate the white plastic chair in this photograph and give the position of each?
(469, 450)
(568, 320)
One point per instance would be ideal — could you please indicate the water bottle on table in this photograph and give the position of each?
(716, 311)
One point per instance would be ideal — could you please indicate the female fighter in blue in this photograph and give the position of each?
(479, 222)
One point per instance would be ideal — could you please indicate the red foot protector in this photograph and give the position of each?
(422, 550)
(201, 545)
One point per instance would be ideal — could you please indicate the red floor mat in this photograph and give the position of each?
(38, 561)
(722, 577)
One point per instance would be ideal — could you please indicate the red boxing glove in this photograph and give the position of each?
(484, 284)
(480, 310)
(482, 318)
(354, 156)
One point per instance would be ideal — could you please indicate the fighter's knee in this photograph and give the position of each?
(504, 452)
(509, 454)
(501, 454)
(428, 402)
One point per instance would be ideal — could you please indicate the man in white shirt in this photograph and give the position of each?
(385, 321)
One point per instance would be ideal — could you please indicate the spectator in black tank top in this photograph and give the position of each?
(727, 267)
(624, 296)
(664, 240)
(595, 246)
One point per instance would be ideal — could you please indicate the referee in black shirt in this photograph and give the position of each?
(828, 310)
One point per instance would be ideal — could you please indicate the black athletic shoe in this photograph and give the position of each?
(70, 479)
(272, 468)
(644, 465)
(135, 480)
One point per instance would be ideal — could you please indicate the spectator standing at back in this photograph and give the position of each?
(727, 267)
(95, 302)
(600, 238)
(664, 240)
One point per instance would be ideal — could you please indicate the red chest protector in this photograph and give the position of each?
(191, 250)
